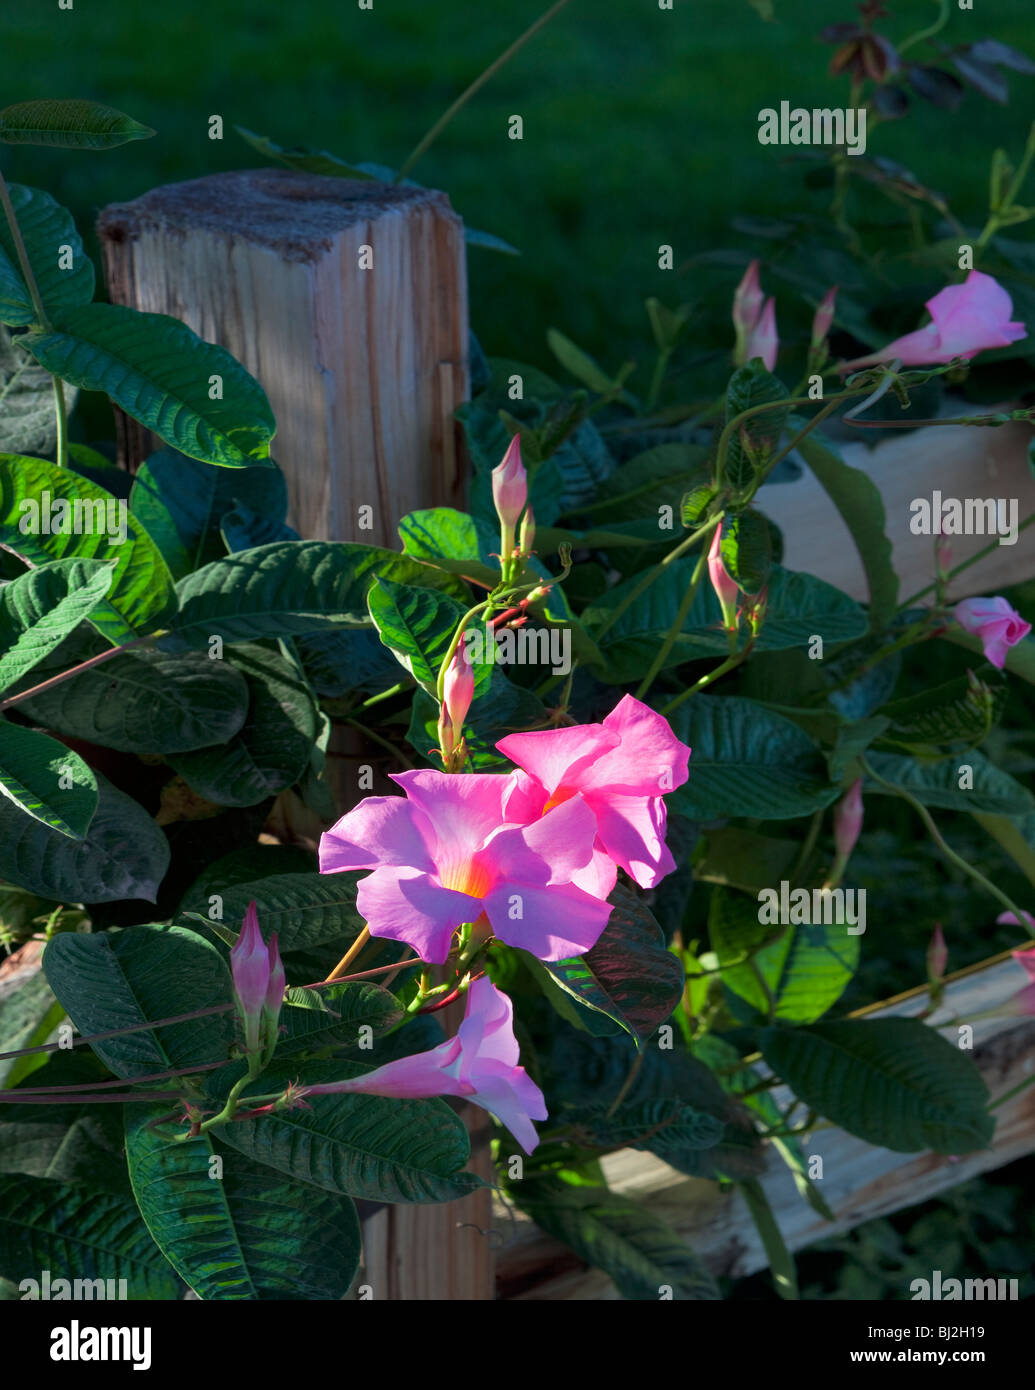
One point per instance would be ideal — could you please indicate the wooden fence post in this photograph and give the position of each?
(348, 302)
(346, 299)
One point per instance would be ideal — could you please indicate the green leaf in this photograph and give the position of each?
(46, 780)
(160, 372)
(78, 1233)
(436, 533)
(229, 1228)
(740, 858)
(651, 1123)
(749, 387)
(803, 972)
(29, 1014)
(746, 547)
(40, 608)
(861, 506)
(343, 1010)
(45, 227)
(581, 366)
(120, 979)
(34, 493)
(643, 1255)
(271, 749)
(628, 976)
(181, 501)
(949, 713)
(68, 1142)
(380, 1149)
(799, 608)
(747, 761)
(304, 910)
(417, 625)
(643, 484)
(781, 1261)
(145, 701)
(306, 160)
(123, 855)
(893, 1082)
(994, 792)
(28, 419)
(71, 125)
(291, 587)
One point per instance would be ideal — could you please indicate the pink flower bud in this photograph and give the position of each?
(747, 307)
(278, 983)
(824, 317)
(458, 689)
(510, 486)
(937, 954)
(763, 341)
(250, 969)
(726, 591)
(848, 819)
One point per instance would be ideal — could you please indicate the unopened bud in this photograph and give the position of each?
(726, 590)
(937, 955)
(848, 819)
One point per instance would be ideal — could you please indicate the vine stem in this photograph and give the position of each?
(661, 655)
(73, 670)
(965, 564)
(479, 82)
(23, 256)
(942, 844)
(710, 678)
(654, 573)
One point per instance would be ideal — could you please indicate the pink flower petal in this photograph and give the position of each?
(380, 830)
(558, 757)
(554, 922)
(406, 905)
(632, 831)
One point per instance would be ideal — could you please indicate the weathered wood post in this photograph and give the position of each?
(348, 302)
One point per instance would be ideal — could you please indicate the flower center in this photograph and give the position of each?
(467, 876)
(560, 796)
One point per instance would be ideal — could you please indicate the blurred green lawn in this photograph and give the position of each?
(640, 125)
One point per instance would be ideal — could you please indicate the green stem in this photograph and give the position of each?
(62, 423)
(23, 258)
(965, 564)
(1013, 1091)
(440, 684)
(709, 679)
(929, 33)
(654, 573)
(436, 130)
(995, 216)
(662, 654)
(375, 737)
(938, 839)
(385, 695)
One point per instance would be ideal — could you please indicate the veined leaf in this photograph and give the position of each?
(243, 1234)
(290, 587)
(70, 124)
(46, 780)
(160, 372)
(41, 607)
(35, 495)
(45, 227)
(894, 1082)
(417, 625)
(985, 788)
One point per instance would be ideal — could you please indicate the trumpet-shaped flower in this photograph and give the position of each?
(480, 1063)
(259, 984)
(446, 854)
(965, 320)
(619, 770)
(510, 485)
(995, 623)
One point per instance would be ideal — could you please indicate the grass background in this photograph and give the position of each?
(640, 125)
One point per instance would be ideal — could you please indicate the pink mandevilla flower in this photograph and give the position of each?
(965, 320)
(995, 623)
(619, 770)
(480, 1063)
(445, 855)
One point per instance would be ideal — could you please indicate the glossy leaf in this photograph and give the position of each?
(47, 228)
(69, 124)
(46, 780)
(41, 607)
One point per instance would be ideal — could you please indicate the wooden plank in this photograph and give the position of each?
(859, 1182)
(960, 461)
(363, 367)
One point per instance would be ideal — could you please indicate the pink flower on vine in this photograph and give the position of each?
(620, 770)
(965, 320)
(480, 1063)
(444, 855)
(997, 625)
